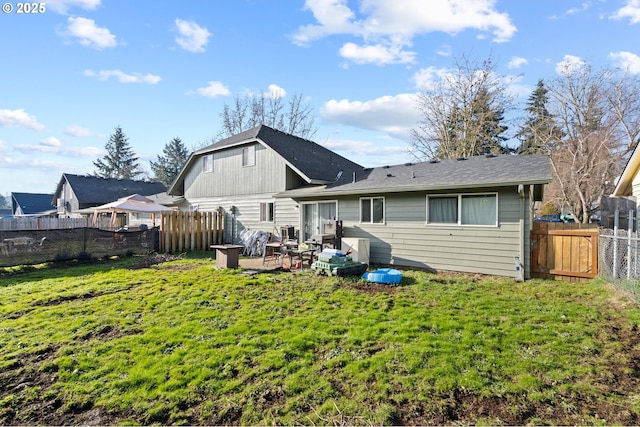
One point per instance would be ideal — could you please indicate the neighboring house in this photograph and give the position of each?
(472, 215)
(76, 194)
(628, 184)
(32, 204)
(240, 175)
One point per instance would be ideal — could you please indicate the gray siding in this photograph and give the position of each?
(230, 178)
(247, 213)
(405, 239)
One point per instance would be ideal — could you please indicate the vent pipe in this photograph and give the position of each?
(354, 177)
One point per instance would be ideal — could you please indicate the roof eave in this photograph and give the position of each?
(626, 179)
(402, 189)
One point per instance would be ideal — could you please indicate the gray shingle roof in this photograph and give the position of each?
(93, 191)
(313, 161)
(473, 172)
(32, 203)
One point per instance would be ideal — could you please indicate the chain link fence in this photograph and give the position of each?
(19, 247)
(619, 255)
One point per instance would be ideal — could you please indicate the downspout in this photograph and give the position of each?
(521, 193)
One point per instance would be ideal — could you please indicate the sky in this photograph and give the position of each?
(71, 71)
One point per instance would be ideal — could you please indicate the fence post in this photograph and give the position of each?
(630, 230)
(635, 258)
(616, 222)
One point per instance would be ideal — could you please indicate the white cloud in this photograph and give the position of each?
(517, 62)
(78, 131)
(395, 115)
(444, 50)
(426, 78)
(578, 9)
(630, 10)
(376, 54)
(275, 91)
(19, 118)
(627, 61)
(334, 17)
(53, 145)
(89, 34)
(62, 6)
(364, 148)
(570, 64)
(388, 26)
(51, 141)
(123, 77)
(6, 161)
(213, 89)
(193, 37)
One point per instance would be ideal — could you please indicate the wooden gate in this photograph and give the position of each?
(564, 251)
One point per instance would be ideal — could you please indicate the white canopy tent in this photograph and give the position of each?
(130, 204)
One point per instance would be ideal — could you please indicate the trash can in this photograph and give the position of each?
(227, 255)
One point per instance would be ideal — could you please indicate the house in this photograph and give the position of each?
(75, 195)
(241, 174)
(468, 215)
(628, 184)
(32, 204)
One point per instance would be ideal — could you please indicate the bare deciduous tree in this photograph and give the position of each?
(295, 117)
(598, 114)
(462, 114)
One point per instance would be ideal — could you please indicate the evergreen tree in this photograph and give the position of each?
(120, 160)
(169, 165)
(5, 202)
(477, 130)
(462, 114)
(491, 124)
(539, 131)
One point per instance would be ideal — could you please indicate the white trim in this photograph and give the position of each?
(206, 163)
(459, 223)
(384, 210)
(264, 212)
(250, 159)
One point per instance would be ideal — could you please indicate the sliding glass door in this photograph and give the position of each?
(318, 218)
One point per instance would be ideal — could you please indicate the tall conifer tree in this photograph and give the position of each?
(120, 160)
(167, 166)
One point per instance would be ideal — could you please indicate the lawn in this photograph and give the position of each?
(128, 341)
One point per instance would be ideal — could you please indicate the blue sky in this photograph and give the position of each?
(165, 68)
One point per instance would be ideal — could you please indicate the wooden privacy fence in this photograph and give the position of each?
(564, 251)
(189, 231)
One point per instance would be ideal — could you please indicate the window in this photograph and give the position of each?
(463, 209)
(443, 210)
(266, 212)
(249, 156)
(372, 210)
(318, 218)
(207, 163)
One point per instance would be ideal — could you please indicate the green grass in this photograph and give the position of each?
(185, 343)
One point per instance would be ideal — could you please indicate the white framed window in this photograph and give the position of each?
(207, 163)
(372, 210)
(266, 212)
(249, 156)
(463, 209)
